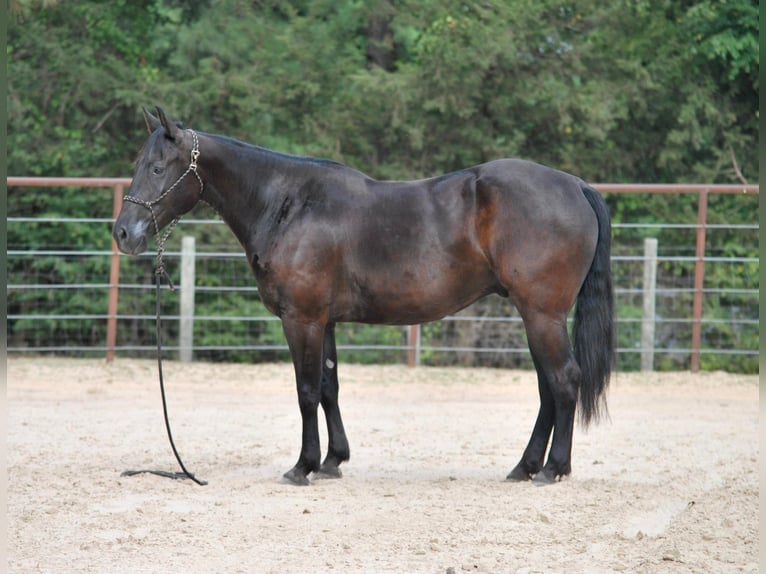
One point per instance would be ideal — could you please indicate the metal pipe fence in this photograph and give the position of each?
(229, 325)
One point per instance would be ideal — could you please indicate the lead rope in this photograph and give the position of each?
(159, 273)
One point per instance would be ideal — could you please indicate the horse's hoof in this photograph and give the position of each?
(544, 478)
(296, 477)
(328, 471)
(518, 474)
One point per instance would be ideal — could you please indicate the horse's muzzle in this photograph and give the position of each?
(131, 238)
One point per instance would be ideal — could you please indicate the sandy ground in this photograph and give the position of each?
(670, 484)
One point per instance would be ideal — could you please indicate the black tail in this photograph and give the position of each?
(593, 329)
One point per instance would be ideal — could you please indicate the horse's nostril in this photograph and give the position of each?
(120, 233)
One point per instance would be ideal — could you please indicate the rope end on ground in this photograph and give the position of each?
(166, 474)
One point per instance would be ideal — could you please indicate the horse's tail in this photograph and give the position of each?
(593, 329)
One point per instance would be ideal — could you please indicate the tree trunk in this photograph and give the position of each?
(380, 39)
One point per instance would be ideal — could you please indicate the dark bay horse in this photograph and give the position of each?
(329, 244)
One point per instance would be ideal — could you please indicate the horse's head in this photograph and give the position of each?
(165, 184)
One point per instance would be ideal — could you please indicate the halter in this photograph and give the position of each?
(161, 239)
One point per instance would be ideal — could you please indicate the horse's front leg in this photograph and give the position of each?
(338, 450)
(305, 342)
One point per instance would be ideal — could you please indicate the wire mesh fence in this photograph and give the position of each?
(59, 285)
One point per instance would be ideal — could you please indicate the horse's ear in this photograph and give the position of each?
(172, 131)
(152, 122)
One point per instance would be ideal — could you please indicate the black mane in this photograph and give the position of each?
(276, 155)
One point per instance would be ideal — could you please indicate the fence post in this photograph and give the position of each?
(699, 281)
(186, 315)
(413, 341)
(649, 291)
(114, 282)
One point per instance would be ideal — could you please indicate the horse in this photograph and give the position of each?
(329, 244)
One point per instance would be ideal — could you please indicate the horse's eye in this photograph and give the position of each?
(157, 170)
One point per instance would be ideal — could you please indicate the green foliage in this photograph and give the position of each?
(726, 34)
(625, 91)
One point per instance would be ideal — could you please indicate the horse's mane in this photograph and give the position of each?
(275, 155)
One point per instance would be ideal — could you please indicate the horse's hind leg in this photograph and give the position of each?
(556, 365)
(338, 450)
(534, 455)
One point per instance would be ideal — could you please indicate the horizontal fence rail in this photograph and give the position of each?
(416, 342)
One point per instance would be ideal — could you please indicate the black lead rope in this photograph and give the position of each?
(159, 273)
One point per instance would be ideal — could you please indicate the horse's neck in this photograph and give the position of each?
(242, 182)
